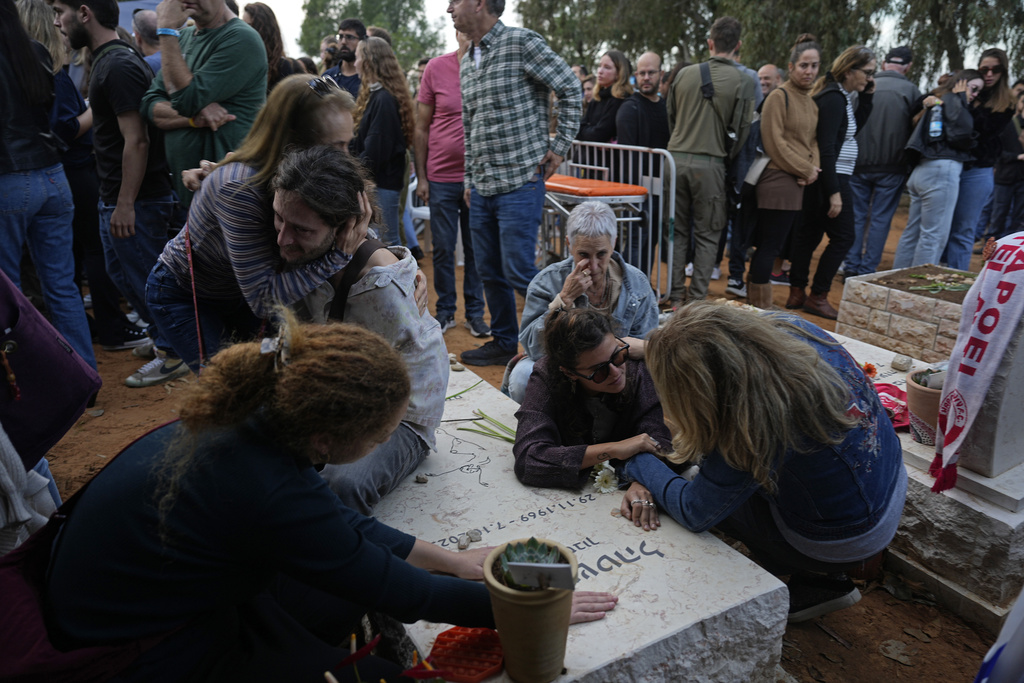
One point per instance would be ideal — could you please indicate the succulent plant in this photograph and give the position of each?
(531, 552)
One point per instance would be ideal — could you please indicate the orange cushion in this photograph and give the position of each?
(583, 187)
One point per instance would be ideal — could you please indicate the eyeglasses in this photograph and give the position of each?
(869, 74)
(601, 372)
(348, 37)
(986, 70)
(323, 86)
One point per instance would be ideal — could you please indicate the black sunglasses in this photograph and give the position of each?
(601, 372)
(323, 86)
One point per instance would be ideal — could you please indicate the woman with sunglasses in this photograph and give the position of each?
(587, 402)
(992, 111)
(828, 205)
(934, 184)
(798, 458)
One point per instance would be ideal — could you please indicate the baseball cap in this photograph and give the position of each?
(900, 55)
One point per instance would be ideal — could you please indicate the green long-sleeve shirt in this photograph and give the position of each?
(696, 127)
(229, 66)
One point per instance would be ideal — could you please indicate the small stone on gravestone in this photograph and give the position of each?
(421, 479)
(463, 541)
(452, 358)
(458, 367)
(901, 362)
(474, 535)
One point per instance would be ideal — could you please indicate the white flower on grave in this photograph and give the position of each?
(605, 480)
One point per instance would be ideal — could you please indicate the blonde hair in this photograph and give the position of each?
(621, 88)
(380, 65)
(338, 380)
(745, 384)
(37, 18)
(291, 116)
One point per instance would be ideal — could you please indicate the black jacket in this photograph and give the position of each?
(1009, 169)
(598, 124)
(957, 125)
(26, 142)
(832, 130)
(988, 124)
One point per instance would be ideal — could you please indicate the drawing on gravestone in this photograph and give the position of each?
(460, 446)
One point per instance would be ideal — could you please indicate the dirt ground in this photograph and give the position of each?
(894, 633)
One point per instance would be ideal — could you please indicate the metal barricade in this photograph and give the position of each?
(645, 224)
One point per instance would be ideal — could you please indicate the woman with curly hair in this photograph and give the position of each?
(216, 537)
(264, 22)
(587, 402)
(384, 126)
(798, 458)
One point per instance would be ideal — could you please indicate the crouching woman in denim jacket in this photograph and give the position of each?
(800, 460)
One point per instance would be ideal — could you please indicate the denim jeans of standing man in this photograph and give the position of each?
(504, 230)
(975, 188)
(36, 208)
(449, 217)
(875, 199)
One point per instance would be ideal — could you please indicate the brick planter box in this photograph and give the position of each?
(903, 322)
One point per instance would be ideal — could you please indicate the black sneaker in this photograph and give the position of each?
(477, 327)
(131, 337)
(446, 322)
(417, 253)
(491, 353)
(813, 596)
(780, 279)
(736, 288)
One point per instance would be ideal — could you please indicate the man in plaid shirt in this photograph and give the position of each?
(506, 78)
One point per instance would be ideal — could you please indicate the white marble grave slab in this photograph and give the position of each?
(691, 608)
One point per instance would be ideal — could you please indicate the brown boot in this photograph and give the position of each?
(818, 305)
(760, 295)
(797, 297)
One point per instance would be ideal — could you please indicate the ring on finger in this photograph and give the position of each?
(638, 502)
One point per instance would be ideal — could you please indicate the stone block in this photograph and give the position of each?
(866, 294)
(912, 331)
(948, 328)
(911, 305)
(973, 543)
(944, 345)
(878, 321)
(854, 314)
(947, 310)
(903, 346)
(932, 356)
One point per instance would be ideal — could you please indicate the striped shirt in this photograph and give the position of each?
(234, 246)
(505, 108)
(848, 152)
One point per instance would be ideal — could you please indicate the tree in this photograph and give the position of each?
(413, 37)
(938, 31)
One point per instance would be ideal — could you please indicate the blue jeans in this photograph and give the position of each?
(130, 259)
(505, 242)
(933, 187)
(975, 187)
(390, 225)
(173, 310)
(875, 198)
(449, 216)
(36, 208)
(985, 218)
(1007, 209)
(362, 484)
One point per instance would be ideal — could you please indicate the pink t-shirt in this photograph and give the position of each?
(446, 151)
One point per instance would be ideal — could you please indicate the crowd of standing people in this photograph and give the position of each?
(251, 211)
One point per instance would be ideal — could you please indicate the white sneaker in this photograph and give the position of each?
(157, 371)
(716, 273)
(689, 270)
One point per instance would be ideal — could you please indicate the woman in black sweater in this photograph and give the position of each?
(384, 127)
(613, 87)
(828, 208)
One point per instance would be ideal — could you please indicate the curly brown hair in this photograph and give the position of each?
(264, 22)
(380, 65)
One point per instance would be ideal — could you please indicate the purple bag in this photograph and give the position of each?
(44, 384)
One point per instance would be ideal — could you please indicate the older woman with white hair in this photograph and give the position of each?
(594, 276)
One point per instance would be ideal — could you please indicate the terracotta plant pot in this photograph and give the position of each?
(923, 403)
(533, 625)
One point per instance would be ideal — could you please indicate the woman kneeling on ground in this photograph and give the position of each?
(218, 534)
(800, 461)
(587, 403)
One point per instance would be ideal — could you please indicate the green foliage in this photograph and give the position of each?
(940, 31)
(531, 552)
(412, 35)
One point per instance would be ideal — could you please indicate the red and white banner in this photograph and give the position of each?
(997, 301)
